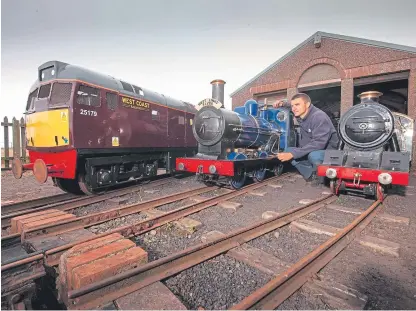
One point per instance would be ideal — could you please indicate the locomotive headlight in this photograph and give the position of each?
(212, 169)
(385, 179)
(181, 166)
(331, 173)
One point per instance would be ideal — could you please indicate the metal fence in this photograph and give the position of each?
(18, 142)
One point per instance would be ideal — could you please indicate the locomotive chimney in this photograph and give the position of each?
(218, 90)
(370, 96)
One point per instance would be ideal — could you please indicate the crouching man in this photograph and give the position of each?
(317, 133)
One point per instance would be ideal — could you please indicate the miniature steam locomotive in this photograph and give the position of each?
(374, 152)
(234, 145)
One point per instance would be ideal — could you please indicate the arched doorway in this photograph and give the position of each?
(322, 82)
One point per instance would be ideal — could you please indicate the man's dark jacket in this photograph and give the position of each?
(316, 133)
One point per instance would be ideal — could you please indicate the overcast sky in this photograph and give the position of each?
(178, 47)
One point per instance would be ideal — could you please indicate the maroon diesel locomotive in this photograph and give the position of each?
(90, 131)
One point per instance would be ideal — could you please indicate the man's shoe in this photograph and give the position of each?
(315, 181)
(312, 177)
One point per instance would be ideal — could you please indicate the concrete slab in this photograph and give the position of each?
(258, 193)
(229, 205)
(153, 297)
(151, 191)
(314, 227)
(275, 186)
(337, 296)
(343, 209)
(211, 236)
(392, 218)
(269, 214)
(258, 259)
(188, 225)
(306, 201)
(151, 213)
(118, 201)
(198, 198)
(380, 245)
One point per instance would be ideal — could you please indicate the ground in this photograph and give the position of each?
(26, 188)
(388, 281)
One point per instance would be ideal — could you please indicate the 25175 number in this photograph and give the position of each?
(86, 112)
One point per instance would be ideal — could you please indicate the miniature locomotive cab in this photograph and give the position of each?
(375, 149)
(240, 144)
(90, 131)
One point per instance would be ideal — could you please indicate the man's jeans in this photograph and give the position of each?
(308, 164)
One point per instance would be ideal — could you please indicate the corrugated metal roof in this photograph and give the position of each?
(386, 45)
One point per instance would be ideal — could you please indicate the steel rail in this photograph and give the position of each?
(52, 256)
(271, 295)
(30, 204)
(112, 288)
(104, 216)
(82, 201)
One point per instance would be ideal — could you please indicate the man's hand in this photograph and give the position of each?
(285, 156)
(279, 103)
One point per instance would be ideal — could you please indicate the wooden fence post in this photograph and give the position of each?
(6, 142)
(23, 136)
(16, 139)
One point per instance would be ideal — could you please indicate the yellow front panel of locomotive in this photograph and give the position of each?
(48, 128)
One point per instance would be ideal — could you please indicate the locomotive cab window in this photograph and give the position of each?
(181, 120)
(112, 101)
(30, 101)
(155, 115)
(138, 90)
(61, 93)
(88, 96)
(44, 91)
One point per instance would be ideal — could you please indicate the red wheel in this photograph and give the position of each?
(17, 168)
(40, 171)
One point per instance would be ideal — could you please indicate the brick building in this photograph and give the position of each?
(333, 69)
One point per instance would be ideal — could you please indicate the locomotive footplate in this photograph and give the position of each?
(223, 167)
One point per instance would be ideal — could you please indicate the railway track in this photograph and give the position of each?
(268, 297)
(72, 202)
(31, 204)
(110, 289)
(32, 262)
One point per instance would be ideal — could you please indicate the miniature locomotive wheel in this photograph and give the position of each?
(278, 169)
(239, 179)
(40, 170)
(260, 174)
(333, 184)
(380, 192)
(17, 168)
(68, 185)
(209, 183)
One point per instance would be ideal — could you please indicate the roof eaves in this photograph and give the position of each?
(387, 45)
